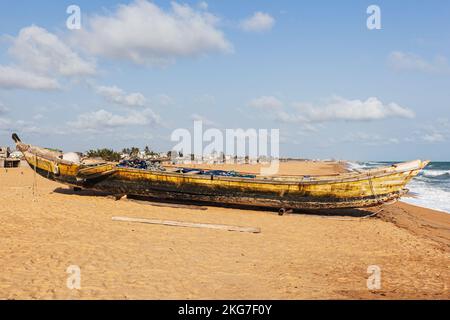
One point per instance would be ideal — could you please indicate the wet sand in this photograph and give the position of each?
(46, 229)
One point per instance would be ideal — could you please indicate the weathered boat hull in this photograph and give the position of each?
(349, 190)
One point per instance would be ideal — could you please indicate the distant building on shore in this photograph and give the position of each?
(219, 158)
(4, 152)
(6, 161)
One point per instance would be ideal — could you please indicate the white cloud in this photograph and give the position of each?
(205, 120)
(16, 78)
(9, 125)
(42, 52)
(366, 139)
(203, 5)
(401, 61)
(165, 100)
(307, 128)
(259, 22)
(116, 95)
(5, 123)
(352, 110)
(3, 108)
(433, 132)
(41, 57)
(144, 33)
(103, 119)
(286, 117)
(206, 99)
(444, 122)
(266, 102)
(434, 137)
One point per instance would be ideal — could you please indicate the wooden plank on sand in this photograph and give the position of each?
(189, 224)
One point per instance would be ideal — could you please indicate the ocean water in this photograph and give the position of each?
(430, 189)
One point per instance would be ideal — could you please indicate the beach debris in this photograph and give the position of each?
(189, 224)
(141, 164)
(117, 197)
(7, 160)
(284, 211)
(221, 173)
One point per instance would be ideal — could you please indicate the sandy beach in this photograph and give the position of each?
(47, 228)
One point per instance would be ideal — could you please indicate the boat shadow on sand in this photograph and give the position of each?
(198, 205)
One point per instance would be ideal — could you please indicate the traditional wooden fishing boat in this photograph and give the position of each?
(355, 189)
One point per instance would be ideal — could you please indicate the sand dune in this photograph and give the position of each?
(44, 230)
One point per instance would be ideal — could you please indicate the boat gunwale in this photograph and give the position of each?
(279, 180)
(362, 176)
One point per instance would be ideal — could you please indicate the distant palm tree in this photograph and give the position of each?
(134, 152)
(105, 154)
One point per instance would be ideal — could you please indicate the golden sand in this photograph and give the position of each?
(46, 229)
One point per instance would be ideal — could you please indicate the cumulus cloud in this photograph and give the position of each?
(434, 137)
(203, 5)
(43, 52)
(432, 132)
(266, 102)
(117, 95)
(339, 108)
(334, 109)
(437, 132)
(144, 33)
(9, 125)
(259, 22)
(401, 61)
(103, 119)
(40, 58)
(367, 139)
(29, 127)
(16, 78)
(289, 117)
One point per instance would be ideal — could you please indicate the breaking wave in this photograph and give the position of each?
(430, 189)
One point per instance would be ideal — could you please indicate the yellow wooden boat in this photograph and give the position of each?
(348, 190)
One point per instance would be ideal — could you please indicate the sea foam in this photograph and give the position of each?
(430, 189)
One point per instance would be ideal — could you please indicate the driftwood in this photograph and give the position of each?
(189, 224)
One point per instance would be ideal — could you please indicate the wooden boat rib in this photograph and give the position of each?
(348, 190)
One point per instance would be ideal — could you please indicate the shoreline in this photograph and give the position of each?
(423, 207)
(415, 195)
(423, 222)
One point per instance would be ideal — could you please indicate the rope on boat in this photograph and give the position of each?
(364, 217)
(373, 190)
(34, 175)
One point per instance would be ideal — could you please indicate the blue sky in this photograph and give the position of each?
(137, 70)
